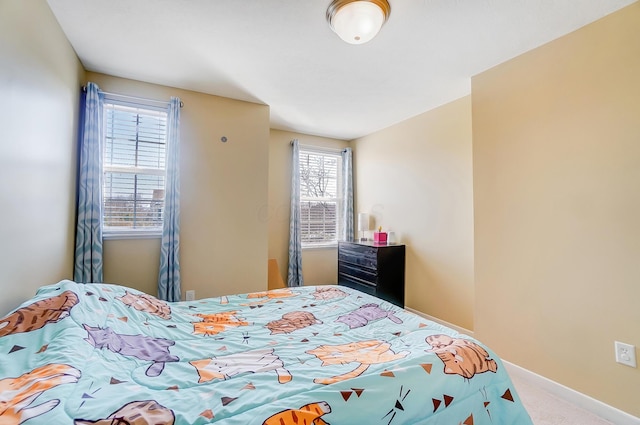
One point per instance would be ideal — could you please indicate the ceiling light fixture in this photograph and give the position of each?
(357, 21)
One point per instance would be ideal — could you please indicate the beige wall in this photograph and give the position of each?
(415, 179)
(223, 236)
(134, 263)
(556, 148)
(319, 266)
(40, 78)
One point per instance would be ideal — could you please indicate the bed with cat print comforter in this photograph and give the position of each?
(107, 354)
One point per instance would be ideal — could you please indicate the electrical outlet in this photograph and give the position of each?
(190, 295)
(625, 354)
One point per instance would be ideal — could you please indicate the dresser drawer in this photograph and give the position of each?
(360, 273)
(357, 254)
(345, 280)
(359, 250)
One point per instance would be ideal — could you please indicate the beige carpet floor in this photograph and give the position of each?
(547, 409)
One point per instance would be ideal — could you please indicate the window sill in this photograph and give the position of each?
(332, 245)
(132, 234)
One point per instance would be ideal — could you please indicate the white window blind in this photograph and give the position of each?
(319, 197)
(134, 168)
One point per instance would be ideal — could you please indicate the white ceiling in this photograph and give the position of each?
(282, 52)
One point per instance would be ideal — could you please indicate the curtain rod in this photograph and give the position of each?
(123, 96)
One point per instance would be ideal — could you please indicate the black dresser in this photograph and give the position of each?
(374, 269)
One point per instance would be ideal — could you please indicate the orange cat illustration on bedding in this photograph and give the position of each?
(146, 303)
(276, 293)
(213, 324)
(226, 367)
(36, 315)
(309, 414)
(269, 295)
(17, 394)
(328, 293)
(461, 356)
(292, 321)
(365, 353)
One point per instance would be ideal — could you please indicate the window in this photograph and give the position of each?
(320, 197)
(134, 169)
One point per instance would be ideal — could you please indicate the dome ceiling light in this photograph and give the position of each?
(357, 21)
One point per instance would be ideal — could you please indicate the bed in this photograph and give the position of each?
(108, 354)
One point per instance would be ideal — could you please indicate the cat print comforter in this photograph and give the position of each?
(107, 354)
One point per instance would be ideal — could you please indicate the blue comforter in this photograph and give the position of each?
(98, 353)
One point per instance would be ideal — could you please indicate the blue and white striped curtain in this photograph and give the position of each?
(88, 249)
(169, 273)
(347, 195)
(294, 274)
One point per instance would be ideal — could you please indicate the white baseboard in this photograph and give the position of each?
(606, 412)
(442, 322)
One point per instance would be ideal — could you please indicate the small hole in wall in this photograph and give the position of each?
(223, 139)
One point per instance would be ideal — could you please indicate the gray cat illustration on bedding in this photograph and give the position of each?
(143, 412)
(139, 346)
(365, 314)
